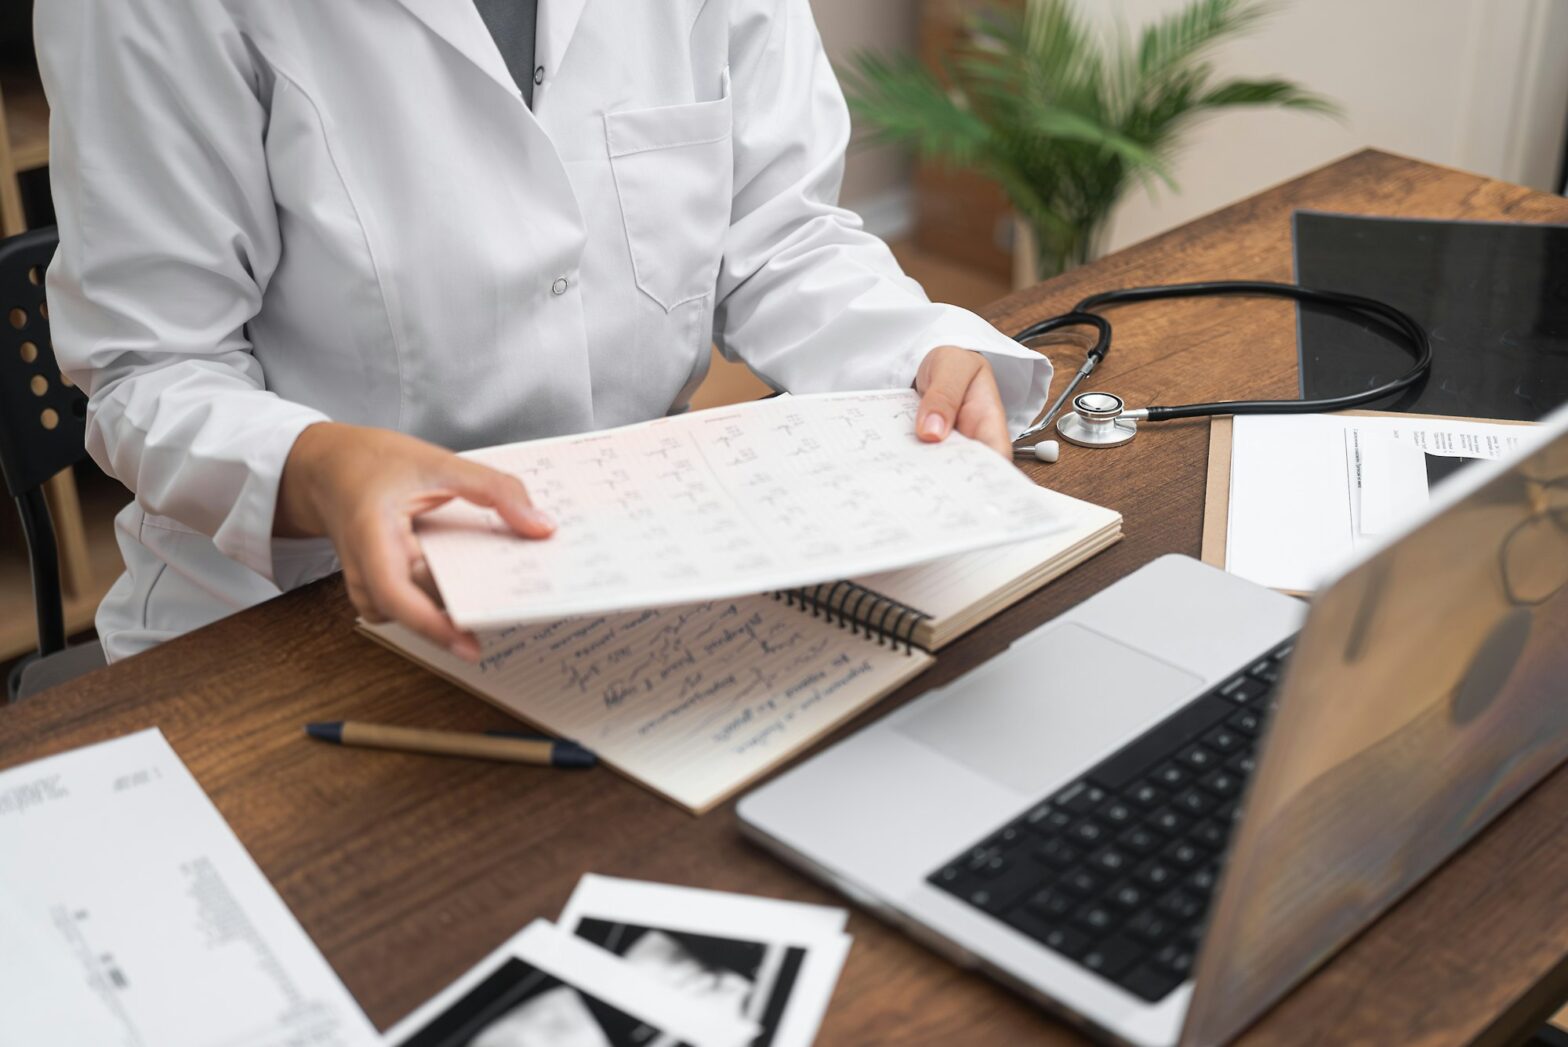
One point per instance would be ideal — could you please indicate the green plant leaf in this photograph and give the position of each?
(1064, 117)
(1265, 92)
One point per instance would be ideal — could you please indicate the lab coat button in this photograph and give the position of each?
(559, 287)
(539, 75)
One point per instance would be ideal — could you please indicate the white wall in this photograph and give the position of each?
(1476, 84)
(870, 175)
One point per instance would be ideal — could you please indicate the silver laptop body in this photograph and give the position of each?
(1365, 707)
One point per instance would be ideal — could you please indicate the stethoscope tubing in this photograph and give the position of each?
(1085, 313)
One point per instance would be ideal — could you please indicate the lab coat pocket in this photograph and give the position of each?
(673, 169)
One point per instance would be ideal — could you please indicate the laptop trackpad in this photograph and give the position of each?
(1049, 707)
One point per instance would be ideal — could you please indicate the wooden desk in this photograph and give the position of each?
(406, 870)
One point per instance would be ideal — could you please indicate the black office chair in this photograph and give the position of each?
(41, 432)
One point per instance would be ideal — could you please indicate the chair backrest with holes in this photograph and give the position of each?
(42, 425)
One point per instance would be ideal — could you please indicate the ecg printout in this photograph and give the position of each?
(131, 916)
(721, 503)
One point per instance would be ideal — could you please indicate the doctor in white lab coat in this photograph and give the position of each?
(308, 248)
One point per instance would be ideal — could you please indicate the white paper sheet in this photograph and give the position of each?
(131, 916)
(1306, 491)
(772, 962)
(728, 502)
(546, 987)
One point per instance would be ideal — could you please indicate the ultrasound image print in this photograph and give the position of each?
(749, 979)
(521, 1006)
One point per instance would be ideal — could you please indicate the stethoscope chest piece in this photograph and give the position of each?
(1096, 421)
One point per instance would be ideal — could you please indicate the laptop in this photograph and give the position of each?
(1159, 812)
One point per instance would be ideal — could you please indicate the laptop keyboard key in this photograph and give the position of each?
(1117, 813)
(1080, 882)
(1195, 802)
(1181, 906)
(1175, 959)
(1088, 831)
(1266, 670)
(1080, 797)
(1140, 840)
(1198, 758)
(1210, 834)
(1149, 983)
(1112, 956)
(1053, 904)
(1168, 821)
(1067, 941)
(1098, 920)
(1128, 896)
(1056, 852)
(1146, 794)
(1110, 860)
(1222, 783)
(1156, 875)
(1170, 776)
(1151, 927)
(1247, 722)
(1224, 740)
(1203, 881)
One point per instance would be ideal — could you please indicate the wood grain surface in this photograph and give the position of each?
(407, 869)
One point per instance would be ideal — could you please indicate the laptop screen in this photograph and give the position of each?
(1425, 695)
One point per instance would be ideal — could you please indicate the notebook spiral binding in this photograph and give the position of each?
(858, 607)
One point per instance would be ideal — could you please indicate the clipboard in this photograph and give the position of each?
(1216, 494)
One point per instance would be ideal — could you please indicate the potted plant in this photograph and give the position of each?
(1065, 118)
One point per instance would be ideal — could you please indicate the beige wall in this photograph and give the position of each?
(885, 25)
(1475, 84)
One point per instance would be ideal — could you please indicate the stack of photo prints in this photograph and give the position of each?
(633, 964)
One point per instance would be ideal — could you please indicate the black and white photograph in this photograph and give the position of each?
(770, 962)
(748, 979)
(521, 1006)
(544, 988)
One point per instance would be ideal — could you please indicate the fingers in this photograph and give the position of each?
(958, 391)
(943, 382)
(500, 491)
(982, 416)
(380, 581)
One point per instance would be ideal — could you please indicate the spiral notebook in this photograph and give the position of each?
(697, 701)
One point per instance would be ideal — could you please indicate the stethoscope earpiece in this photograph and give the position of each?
(1047, 450)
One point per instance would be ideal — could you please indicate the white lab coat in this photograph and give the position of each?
(275, 212)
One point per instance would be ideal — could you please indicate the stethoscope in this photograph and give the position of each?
(1100, 419)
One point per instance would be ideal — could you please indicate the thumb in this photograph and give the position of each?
(502, 492)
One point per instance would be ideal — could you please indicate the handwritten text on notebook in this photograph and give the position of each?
(693, 700)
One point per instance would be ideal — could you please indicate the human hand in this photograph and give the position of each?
(958, 391)
(362, 487)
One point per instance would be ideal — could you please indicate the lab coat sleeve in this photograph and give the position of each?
(168, 236)
(806, 297)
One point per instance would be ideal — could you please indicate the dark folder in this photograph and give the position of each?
(1492, 295)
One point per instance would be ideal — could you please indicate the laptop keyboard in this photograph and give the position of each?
(1116, 871)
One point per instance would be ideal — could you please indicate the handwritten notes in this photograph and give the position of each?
(693, 701)
(722, 503)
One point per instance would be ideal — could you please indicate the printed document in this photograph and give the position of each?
(131, 916)
(728, 502)
(1308, 491)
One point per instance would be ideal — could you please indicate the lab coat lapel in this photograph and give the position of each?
(458, 22)
(557, 22)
